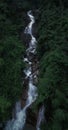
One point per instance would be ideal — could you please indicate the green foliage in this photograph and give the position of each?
(11, 53)
(52, 53)
(4, 107)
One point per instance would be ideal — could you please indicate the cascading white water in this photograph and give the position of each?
(32, 92)
(40, 117)
(28, 29)
(19, 122)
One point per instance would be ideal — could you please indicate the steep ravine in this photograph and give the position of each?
(23, 117)
(34, 119)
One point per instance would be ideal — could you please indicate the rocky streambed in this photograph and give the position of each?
(32, 58)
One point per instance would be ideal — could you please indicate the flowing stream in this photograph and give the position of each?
(19, 119)
(40, 118)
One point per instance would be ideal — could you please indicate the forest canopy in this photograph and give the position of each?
(53, 60)
(52, 50)
(11, 50)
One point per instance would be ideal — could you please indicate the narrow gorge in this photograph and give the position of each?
(33, 65)
(31, 77)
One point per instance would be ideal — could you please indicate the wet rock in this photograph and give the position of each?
(24, 97)
(26, 39)
(29, 127)
(34, 29)
(31, 117)
(32, 57)
(2, 125)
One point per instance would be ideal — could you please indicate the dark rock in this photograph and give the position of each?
(26, 39)
(31, 117)
(2, 125)
(24, 97)
(29, 127)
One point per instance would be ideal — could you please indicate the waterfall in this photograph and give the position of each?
(19, 122)
(40, 117)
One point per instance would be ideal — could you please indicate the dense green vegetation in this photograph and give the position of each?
(11, 53)
(52, 52)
